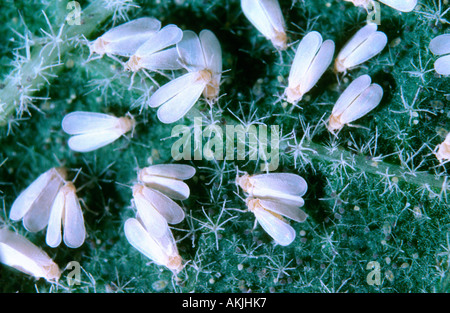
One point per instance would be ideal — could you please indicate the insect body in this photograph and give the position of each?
(125, 39)
(311, 60)
(269, 215)
(66, 212)
(155, 209)
(51, 201)
(268, 19)
(168, 179)
(94, 130)
(358, 99)
(18, 252)
(364, 45)
(161, 249)
(400, 5)
(155, 54)
(273, 196)
(283, 187)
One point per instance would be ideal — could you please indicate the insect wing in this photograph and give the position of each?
(290, 211)
(319, 65)
(172, 188)
(191, 52)
(351, 93)
(278, 229)
(365, 103)
(442, 65)
(26, 198)
(141, 240)
(374, 44)
(93, 140)
(74, 229)
(152, 220)
(279, 183)
(80, 122)
(162, 60)
(212, 51)
(168, 208)
(53, 235)
(440, 44)
(305, 54)
(401, 5)
(37, 217)
(176, 171)
(18, 252)
(138, 27)
(265, 15)
(357, 40)
(177, 106)
(126, 39)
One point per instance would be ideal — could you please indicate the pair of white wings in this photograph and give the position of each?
(92, 130)
(440, 45)
(283, 187)
(312, 58)
(364, 45)
(159, 249)
(125, 39)
(155, 54)
(277, 194)
(18, 252)
(168, 179)
(66, 213)
(45, 203)
(358, 99)
(266, 16)
(156, 210)
(277, 228)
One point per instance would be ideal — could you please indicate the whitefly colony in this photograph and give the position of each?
(51, 201)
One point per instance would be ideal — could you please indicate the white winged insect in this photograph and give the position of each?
(202, 57)
(155, 54)
(443, 150)
(358, 99)
(155, 209)
(440, 45)
(125, 39)
(66, 213)
(168, 179)
(269, 214)
(268, 19)
(400, 5)
(161, 249)
(94, 130)
(33, 205)
(283, 187)
(50, 201)
(312, 58)
(20, 253)
(364, 45)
